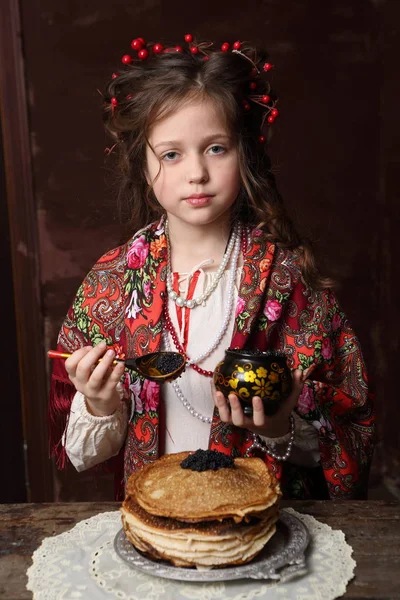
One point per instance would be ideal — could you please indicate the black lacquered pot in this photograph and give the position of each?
(249, 373)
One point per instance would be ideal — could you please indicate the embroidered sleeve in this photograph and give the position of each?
(305, 449)
(90, 440)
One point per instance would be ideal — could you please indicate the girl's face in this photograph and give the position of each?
(199, 178)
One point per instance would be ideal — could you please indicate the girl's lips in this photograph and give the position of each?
(202, 201)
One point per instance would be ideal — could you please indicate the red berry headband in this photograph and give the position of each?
(143, 52)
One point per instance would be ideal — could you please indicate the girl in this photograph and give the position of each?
(214, 263)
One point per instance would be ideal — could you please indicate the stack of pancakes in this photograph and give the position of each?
(211, 518)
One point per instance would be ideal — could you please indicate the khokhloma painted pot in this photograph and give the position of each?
(249, 373)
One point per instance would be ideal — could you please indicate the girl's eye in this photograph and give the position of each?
(217, 149)
(169, 156)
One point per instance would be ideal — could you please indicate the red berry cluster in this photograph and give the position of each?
(139, 45)
(265, 99)
(189, 40)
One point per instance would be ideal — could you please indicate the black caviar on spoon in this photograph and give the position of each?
(158, 366)
(155, 366)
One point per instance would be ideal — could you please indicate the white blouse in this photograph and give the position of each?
(90, 440)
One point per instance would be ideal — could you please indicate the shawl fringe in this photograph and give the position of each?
(61, 394)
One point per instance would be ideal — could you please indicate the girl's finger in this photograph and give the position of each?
(223, 407)
(258, 412)
(237, 414)
(298, 383)
(291, 402)
(87, 364)
(100, 373)
(115, 376)
(298, 378)
(72, 361)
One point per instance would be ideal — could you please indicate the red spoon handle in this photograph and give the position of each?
(55, 354)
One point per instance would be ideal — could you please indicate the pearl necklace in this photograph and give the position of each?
(220, 334)
(228, 311)
(192, 303)
(259, 444)
(179, 392)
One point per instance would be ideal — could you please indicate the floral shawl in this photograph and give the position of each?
(120, 301)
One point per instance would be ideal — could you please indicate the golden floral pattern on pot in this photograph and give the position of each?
(265, 376)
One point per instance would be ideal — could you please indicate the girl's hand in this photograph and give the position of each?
(96, 381)
(274, 426)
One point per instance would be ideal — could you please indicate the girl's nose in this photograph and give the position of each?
(197, 171)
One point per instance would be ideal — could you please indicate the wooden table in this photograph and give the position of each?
(372, 529)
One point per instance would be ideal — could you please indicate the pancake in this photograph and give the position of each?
(201, 518)
(205, 544)
(164, 489)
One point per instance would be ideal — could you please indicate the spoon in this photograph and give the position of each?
(156, 366)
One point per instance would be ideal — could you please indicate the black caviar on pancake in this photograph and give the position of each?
(207, 460)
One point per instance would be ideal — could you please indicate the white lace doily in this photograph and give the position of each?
(81, 564)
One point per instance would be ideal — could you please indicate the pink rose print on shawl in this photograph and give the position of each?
(150, 395)
(327, 349)
(239, 306)
(273, 310)
(135, 387)
(336, 322)
(306, 402)
(147, 288)
(137, 253)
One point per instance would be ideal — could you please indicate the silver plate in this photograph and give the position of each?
(281, 558)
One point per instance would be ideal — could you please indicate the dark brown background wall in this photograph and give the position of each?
(333, 148)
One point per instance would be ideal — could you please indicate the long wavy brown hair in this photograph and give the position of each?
(146, 91)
